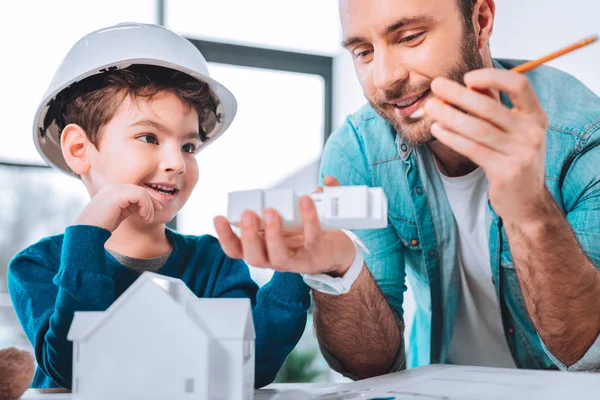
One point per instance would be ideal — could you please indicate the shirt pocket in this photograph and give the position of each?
(406, 229)
(407, 232)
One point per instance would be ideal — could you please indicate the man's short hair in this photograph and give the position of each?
(466, 8)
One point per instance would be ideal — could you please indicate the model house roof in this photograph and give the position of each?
(221, 318)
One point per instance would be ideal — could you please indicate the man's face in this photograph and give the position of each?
(399, 47)
(150, 143)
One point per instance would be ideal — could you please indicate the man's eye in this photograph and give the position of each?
(362, 56)
(151, 139)
(412, 38)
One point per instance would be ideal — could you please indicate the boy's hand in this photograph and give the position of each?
(309, 250)
(114, 203)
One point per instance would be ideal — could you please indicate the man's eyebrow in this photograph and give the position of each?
(353, 40)
(158, 126)
(399, 24)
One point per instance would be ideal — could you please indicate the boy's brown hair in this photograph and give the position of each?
(95, 101)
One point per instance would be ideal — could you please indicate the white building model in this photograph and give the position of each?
(159, 341)
(338, 207)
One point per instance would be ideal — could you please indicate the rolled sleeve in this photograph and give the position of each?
(590, 361)
(581, 195)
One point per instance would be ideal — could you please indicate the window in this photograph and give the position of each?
(284, 115)
(268, 141)
(38, 202)
(248, 347)
(334, 206)
(305, 26)
(189, 385)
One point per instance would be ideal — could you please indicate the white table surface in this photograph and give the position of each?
(432, 382)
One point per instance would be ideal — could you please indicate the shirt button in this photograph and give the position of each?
(431, 253)
(511, 331)
(419, 190)
(404, 148)
(414, 242)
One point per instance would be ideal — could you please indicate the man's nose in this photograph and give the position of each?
(388, 70)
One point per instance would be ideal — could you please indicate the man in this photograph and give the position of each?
(494, 203)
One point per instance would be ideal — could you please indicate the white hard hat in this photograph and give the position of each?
(119, 47)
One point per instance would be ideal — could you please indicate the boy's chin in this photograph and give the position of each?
(162, 219)
(159, 219)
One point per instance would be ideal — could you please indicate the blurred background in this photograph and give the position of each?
(293, 82)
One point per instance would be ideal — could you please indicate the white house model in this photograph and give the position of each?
(338, 207)
(159, 341)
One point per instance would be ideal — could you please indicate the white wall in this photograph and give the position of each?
(534, 28)
(525, 29)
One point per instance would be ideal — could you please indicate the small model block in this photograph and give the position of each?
(339, 207)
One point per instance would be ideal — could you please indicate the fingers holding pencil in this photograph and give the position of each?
(532, 64)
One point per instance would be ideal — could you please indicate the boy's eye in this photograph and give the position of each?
(190, 148)
(151, 139)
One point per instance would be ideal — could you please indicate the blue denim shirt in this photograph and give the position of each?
(420, 241)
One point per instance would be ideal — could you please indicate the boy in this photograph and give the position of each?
(127, 111)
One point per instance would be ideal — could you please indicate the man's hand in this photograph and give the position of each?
(510, 144)
(114, 203)
(310, 250)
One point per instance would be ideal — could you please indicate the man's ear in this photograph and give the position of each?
(483, 21)
(75, 146)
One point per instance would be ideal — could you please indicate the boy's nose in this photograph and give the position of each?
(174, 162)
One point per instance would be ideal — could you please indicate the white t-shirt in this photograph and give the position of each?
(478, 337)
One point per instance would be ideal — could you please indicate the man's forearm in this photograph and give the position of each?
(359, 328)
(560, 285)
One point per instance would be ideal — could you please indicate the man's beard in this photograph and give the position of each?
(418, 131)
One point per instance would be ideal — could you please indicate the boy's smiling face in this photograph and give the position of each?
(151, 143)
